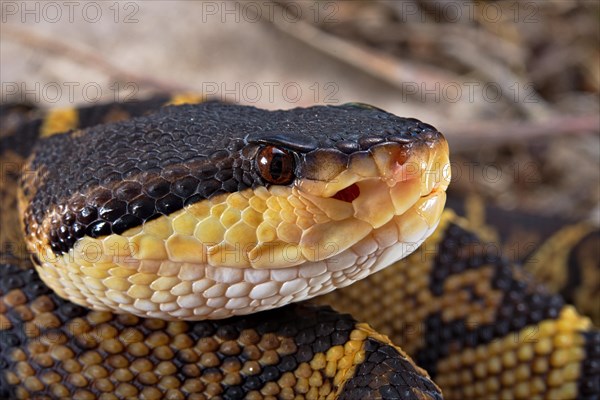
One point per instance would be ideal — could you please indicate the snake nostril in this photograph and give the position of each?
(348, 194)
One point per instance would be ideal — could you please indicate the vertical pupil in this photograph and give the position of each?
(276, 165)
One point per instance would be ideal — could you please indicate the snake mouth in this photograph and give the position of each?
(348, 194)
(380, 183)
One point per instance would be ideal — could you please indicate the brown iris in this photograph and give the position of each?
(275, 165)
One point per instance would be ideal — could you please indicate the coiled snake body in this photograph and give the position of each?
(211, 211)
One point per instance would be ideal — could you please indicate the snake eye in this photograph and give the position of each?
(275, 165)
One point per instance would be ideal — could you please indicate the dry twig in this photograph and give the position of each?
(378, 65)
(87, 57)
(475, 134)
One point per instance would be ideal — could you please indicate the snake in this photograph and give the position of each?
(174, 248)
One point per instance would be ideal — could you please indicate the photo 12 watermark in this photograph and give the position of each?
(52, 12)
(468, 91)
(68, 92)
(316, 12)
(462, 11)
(491, 172)
(272, 92)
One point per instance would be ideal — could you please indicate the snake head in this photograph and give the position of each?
(213, 210)
(353, 187)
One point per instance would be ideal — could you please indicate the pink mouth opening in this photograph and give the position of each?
(348, 194)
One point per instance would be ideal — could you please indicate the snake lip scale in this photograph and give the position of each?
(213, 210)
